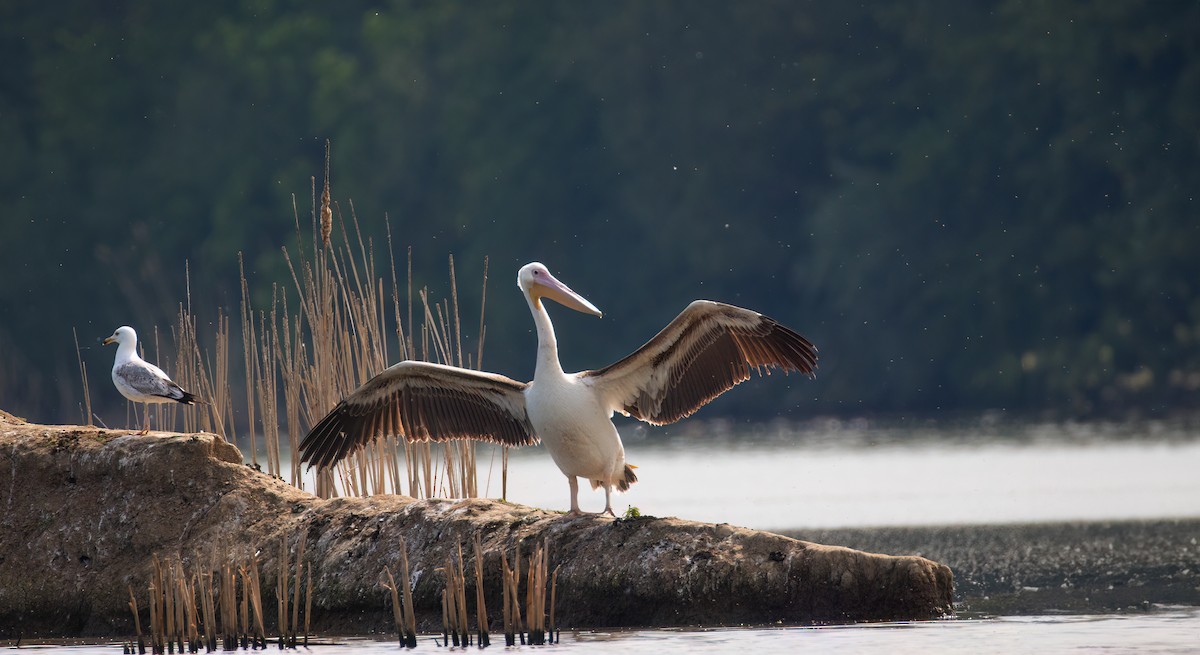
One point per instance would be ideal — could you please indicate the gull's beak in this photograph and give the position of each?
(107, 340)
(549, 287)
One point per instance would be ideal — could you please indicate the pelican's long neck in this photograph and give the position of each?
(547, 353)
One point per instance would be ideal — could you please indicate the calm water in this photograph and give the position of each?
(1167, 630)
(843, 477)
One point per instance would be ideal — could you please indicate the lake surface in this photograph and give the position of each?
(1166, 630)
(841, 475)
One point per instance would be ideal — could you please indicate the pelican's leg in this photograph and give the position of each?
(574, 482)
(608, 500)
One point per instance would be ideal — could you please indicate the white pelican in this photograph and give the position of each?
(139, 380)
(704, 352)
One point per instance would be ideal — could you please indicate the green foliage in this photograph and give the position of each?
(964, 205)
(632, 512)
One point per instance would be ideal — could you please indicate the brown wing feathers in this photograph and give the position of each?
(712, 349)
(420, 405)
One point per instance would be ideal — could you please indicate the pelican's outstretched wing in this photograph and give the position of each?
(421, 401)
(704, 352)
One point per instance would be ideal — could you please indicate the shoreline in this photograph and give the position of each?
(1038, 568)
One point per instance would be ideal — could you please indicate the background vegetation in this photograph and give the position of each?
(965, 205)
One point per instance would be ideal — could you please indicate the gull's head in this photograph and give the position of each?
(536, 282)
(123, 335)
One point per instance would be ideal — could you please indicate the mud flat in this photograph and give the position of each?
(85, 510)
(1044, 568)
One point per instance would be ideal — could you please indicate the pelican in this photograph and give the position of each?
(705, 351)
(139, 380)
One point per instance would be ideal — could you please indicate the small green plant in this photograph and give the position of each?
(632, 512)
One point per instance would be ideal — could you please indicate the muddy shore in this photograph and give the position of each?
(86, 511)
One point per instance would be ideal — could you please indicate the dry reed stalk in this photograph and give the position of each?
(179, 590)
(160, 599)
(146, 406)
(481, 615)
(249, 347)
(533, 615)
(427, 470)
(392, 447)
(267, 393)
(281, 591)
(168, 592)
(326, 212)
(308, 602)
(410, 617)
(506, 602)
(183, 335)
(137, 621)
(206, 613)
(457, 316)
(187, 601)
(451, 600)
(154, 627)
(446, 629)
(244, 606)
(454, 602)
(221, 403)
(87, 395)
(211, 382)
(405, 345)
(512, 615)
(538, 592)
(255, 589)
(184, 345)
(461, 601)
(450, 477)
(295, 625)
(397, 608)
(291, 371)
(553, 602)
(227, 600)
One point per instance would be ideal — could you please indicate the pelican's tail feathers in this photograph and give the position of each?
(628, 479)
(621, 483)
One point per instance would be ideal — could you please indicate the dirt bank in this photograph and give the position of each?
(85, 510)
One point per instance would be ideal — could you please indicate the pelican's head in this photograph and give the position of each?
(536, 283)
(123, 335)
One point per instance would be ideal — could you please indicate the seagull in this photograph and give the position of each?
(139, 380)
(707, 350)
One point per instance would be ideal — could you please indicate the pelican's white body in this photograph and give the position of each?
(565, 411)
(578, 432)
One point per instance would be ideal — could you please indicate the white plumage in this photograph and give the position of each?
(705, 351)
(139, 380)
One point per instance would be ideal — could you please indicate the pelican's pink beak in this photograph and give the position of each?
(546, 286)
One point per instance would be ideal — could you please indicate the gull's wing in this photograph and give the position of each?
(704, 352)
(420, 401)
(149, 380)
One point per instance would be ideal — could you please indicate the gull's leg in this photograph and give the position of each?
(574, 482)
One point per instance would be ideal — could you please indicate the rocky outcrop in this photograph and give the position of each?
(85, 510)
